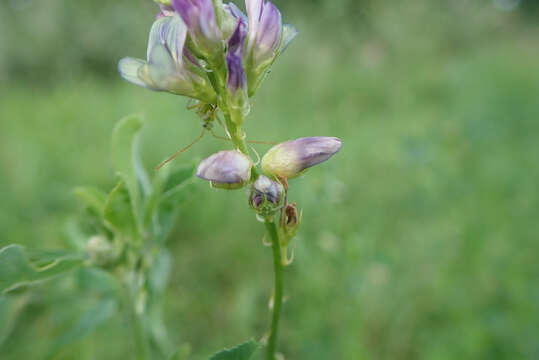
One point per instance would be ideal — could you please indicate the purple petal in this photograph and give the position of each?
(187, 10)
(236, 12)
(269, 29)
(236, 74)
(314, 150)
(290, 158)
(199, 16)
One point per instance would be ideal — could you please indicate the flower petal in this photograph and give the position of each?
(171, 32)
(236, 75)
(288, 34)
(226, 167)
(289, 159)
(129, 69)
(269, 29)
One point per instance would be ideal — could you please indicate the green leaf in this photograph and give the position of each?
(18, 269)
(10, 309)
(93, 198)
(241, 352)
(179, 186)
(86, 323)
(182, 353)
(170, 188)
(118, 212)
(125, 157)
(159, 272)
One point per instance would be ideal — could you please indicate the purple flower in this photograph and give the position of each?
(199, 17)
(267, 39)
(226, 169)
(166, 68)
(289, 159)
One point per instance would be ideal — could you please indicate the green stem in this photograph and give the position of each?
(237, 138)
(136, 322)
(278, 290)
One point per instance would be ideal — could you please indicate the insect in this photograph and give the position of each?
(209, 115)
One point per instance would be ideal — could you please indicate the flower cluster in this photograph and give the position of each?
(211, 51)
(218, 55)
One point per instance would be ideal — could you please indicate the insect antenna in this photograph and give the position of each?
(202, 133)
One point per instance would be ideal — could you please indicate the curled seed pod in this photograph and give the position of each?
(229, 169)
(289, 159)
(266, 195)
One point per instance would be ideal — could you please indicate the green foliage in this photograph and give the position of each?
(240, 352)
(87, 322)
(18, 269)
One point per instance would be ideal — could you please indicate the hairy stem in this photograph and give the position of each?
(278, 289)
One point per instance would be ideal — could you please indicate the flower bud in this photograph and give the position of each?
(266, 40)
(200, 19)
(226, 169)
(266, 195)
(99, 250)
(289, 159)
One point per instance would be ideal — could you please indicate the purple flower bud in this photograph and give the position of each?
(289, 159)
(265, 28)
(199, 16)
(226, 169)
(266, 40)
(266, 192)
(166, 68)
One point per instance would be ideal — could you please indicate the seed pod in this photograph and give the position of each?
(226, 169)
(289, 159)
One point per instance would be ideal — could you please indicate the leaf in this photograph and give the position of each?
(170, 187)
(10, 309)
(118, 212)
(159, 272)
(241, 352)
(17, 269)
(179, 174)
(93, 198)
(125, 157)
(87, 322)
(179, 185)
(182, 353)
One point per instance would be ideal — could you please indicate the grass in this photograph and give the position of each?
(419, 238)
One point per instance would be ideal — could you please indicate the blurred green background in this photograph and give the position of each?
(420, 238)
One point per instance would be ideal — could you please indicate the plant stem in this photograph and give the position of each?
(136, 322)
(237, 138)
(278, 290)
